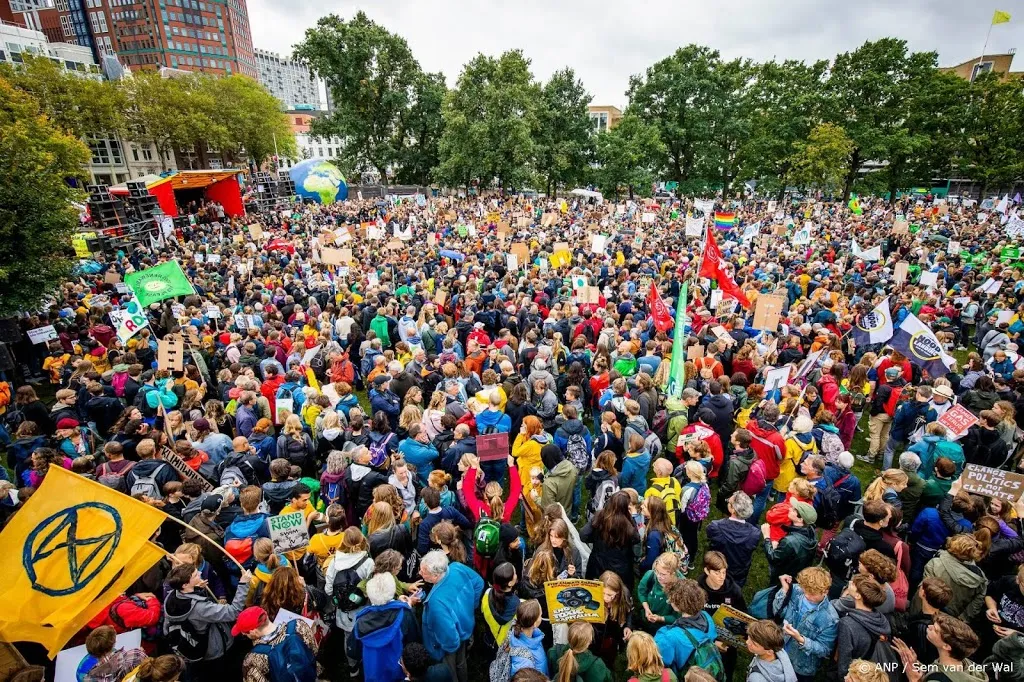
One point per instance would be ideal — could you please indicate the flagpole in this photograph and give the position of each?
(981, 59)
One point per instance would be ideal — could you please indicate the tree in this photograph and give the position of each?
(625, 155)
(870, 92)
(785, 101)
(37, 217)
(995, 134)
(371, 74)
(823, 159)
(564, 132)
(490, 118)
(422, 125)
(251, 116)
(75, 104)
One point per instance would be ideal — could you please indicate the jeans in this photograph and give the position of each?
(760, 502)
(496, 470)
(577, 494)
(890, 450)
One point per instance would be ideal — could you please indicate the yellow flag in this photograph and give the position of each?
(560, 258)
(1000, 17)
(70, 543)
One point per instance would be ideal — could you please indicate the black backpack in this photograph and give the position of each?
(885, 657)
(843, 552)
(347, 595)
(186, 640)
(830, 504)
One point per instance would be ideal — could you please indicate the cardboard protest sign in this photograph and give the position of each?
(283, 407)
(900, 272)
(957, 420)
(170, 354)
(731, 624)
(395, 245)
(598, 243)
(256, 232)
(589, 295)
(440, 296)
(900, 226)
(561, 246)
(492, 447)
(549, 219)
(572, 600)
(346, 255)
(288, 532)
(929, 279)
(111, 277)
(989, 482)
(332, 256)
(178, 464)
(768, 312)
(343, 236)
(694, 352)
(521, 251)
(42, 334)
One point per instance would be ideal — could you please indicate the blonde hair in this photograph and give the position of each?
(866, 671)
(890, 478)
(581, 634)
(814, 580)
(493, 496)
(411, 414)
(293, 426)
(696, 472)
(668, 561)
(965, 547)
(622, 604)
(382, 517)
(352, 541)
(642, 655)
(446, 534)
(803, 488)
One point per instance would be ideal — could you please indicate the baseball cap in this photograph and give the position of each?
(212, 503)
(250, 619)
(381, 379)
(805, 512)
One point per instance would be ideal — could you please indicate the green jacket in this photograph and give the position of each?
(590, 667)
(379, 326)
(651, 591)
(559, 484)
(935, 489)
(676, 413)
(795, 552)
(911, 496)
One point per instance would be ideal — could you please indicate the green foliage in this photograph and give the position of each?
(823, 159)
(626, 156)
(564, 133)
(251, 116)
(994, 133)
(420, 131)
(37, 218)
(372, 76)
(490, 118)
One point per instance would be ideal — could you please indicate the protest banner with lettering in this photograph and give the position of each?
(989, 482)
(957, 420)
(288, 532)
(42, 334)
(572, 600)
(731, 624)
(491, 447)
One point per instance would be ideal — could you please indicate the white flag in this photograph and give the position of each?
(872, 254)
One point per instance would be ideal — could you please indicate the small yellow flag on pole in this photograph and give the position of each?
(1000, 17)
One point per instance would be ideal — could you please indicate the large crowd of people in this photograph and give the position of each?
(354, 362)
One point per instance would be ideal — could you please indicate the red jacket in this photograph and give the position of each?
(829, 390)
(269, 391)
(886, 363)
(769, 445)
(778, 516)
(755, 482)
(708, 435)
(130, 613)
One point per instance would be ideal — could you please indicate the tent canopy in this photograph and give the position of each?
(586, 193)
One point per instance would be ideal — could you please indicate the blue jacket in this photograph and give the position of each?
(528, 652)
(294, 391)
(574, 427)
(501, 422)
(675, 646)
(1003, 369)
(818, 624)
(217, 446)
(849, 488)
(929, 530)
(421, 455)
(634, 472)
(387, 402)
(906, 417)
(265, 444)
(382, 631)
(245, 420)
(346, 404)
(449, 611)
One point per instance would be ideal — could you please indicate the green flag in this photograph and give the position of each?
(159, 282)
(676, 375)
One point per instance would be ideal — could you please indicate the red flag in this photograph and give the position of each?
(713, 267)
(659, 311)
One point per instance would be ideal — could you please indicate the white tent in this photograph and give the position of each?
(586, 193)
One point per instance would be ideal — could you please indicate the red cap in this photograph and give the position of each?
(248, 620)
(67, 423)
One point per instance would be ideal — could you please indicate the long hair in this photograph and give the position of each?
(613, 523)
(642, 655)
(657, 515)
(888, 479)
(581, 634)
(284, 591)
(493, 498)
(386, 492)
(526, 615)
(447, 535)
(541, 568)
(622, 604)
(381, 518)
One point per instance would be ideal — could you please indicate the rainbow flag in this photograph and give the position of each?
(725, 221)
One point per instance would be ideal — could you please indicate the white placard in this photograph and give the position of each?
(283, 405)
(1004, 316)
(213, 258)
(929, 279)
(284, 616)
(69, 660)
(776, 378)
(953, 248)
(598, 242)
(648, 218)
(512, 261)
(42, 334)
(288, 532)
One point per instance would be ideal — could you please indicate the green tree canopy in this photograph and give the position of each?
(822, 161)
(564, 133)
(251, 116)
(626, 156)
(37, 217)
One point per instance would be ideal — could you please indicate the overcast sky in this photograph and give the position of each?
(606, 42)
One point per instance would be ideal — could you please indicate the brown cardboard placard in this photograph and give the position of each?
(346, 255)
(523, 221)
(549, 219)
(900, 272)
(561, 246)
(521, 251)
(768, 312)
(440, 296)
(332, 256)
(901, 227)
(589, 294)
(395, 244)
(695, 352)
(780, 230)
(431, 239)
(112, 277)
(170, 354)
(989, 482)
(256, 231)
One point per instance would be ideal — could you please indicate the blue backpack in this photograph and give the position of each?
(290, 659)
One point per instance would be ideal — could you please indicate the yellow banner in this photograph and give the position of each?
(68, 543)
(572, 600)
(560, 258)
(80, 245)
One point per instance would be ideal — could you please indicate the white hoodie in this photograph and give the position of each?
(341, 561)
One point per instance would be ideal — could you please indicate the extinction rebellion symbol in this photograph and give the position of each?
(61, 558)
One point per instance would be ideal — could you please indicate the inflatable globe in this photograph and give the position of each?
(319, 180)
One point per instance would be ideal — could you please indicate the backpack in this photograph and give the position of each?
(118, 382)
(112, 479)
(576, 452)
(831, 446)
(240, 550)
(664, 676)
(830, 503)
(295, 451)
(660, 424)
(858, 399)
(147, 485)
(666, 496)
(885, 658)
(700, 504)
(652, 444)
(500, 669)
(379, 450)
(487, 537)
(319, 364)
(893, 401)
(843, 551)
(232, 475)
(347, 595)
(603, 493)
(705, 655)
(331, 493)
(13, 418)
(291, 660)
(186, 640)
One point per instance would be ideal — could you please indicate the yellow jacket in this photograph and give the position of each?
(795, 450)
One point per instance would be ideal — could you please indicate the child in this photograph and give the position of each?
(574, 660)
(697, 451)
(644, 660)
(390, 561)
(653, 592)
(527, 640)
(800, 490)
(573, 396)
(536, 490)
(771, 663)
(694, 506)
(618, 623)
(500, 603)
(635, 464)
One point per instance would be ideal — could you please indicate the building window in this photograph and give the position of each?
(980, 70)
(62, 5)
(66, 26)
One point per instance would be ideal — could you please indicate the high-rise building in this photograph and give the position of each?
(211, 36)
(289, 81)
